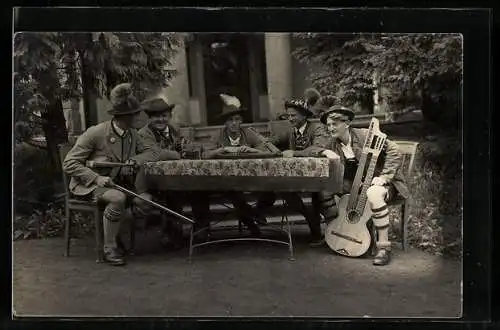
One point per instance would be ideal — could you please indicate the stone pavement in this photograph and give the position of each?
(238, 279)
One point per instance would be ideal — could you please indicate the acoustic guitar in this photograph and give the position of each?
(348, 234)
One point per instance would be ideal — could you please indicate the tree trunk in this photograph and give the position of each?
(88, 82)
(54, 128)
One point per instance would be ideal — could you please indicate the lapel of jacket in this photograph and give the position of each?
(357, 143)
(308, 132)
(336, 147)
(291, 138)
(132, 139)
(113, 142)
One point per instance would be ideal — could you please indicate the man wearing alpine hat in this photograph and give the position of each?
(305, 139)
(348, 143)
(115, 140)
(234, 139)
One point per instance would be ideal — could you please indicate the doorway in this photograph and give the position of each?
(226, 71)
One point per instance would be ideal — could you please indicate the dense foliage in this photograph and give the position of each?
(417, 70)
(53, 67)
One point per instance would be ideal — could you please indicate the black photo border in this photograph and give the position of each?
(473, 24)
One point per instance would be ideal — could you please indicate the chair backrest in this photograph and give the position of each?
(277, 127)
(63, 151)
(409, 150)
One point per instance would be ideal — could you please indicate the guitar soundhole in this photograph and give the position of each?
(353, 216)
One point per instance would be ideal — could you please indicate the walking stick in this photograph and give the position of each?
(98, 164)
(161, 207)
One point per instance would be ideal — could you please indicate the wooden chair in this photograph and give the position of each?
(73, 204)
(409, 150)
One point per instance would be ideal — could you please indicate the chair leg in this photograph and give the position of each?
(132, 237)
(404, 225)
(67, 234)
(99, 235)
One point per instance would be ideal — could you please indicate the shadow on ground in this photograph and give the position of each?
(238, 279)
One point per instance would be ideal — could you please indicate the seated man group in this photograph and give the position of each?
(118, 140)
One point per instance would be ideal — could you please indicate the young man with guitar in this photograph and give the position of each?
(387, 179)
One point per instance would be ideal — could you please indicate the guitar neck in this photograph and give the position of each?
(367, 182)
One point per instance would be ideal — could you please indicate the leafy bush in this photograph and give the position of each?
(35, 179)
(436, 215)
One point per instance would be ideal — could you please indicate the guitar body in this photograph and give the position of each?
(348, 234)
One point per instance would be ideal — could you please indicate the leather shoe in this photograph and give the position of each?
(114, 258)
(382, 258)
(317, 242)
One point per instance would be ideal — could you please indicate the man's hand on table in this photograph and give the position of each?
(288, 154)
(330, 154)
(240, 149)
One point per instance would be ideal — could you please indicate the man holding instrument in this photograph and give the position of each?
(117, 141)
(348, 143)
(304, 139)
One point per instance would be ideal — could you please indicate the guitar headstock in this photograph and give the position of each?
(375, 140)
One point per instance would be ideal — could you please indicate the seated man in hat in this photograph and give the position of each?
(304, 139)
(348, 143)
(115, 140)
(168, 141)
(234, 139)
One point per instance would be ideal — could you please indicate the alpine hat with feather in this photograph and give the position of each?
(309, 105)
(156, 105)
(123, 101)
(231, 106)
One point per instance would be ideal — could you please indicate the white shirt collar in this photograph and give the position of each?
(349, 142)
(234, 142)
(117, 129)
(347, 148)
(166, 131)
(302, 129)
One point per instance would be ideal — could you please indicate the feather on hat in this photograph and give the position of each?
(231, 106)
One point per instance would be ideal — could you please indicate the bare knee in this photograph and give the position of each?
(115, 197)
(376, 193)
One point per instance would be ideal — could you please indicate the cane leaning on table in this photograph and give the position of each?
(116, 141)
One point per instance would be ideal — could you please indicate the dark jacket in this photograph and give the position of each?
(389, 164)
(317, 140)
(167, 148)
(101, 143)
(221, 139)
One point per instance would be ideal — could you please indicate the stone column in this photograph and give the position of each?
(197, 100)
(279, 71)
(178, 91)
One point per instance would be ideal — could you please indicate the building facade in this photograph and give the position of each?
(258, 68)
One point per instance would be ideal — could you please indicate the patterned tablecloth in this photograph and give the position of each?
(277, 174)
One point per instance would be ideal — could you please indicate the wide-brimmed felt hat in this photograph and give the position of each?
(341, 112)
(231, 106)
(156, 105)
(123, 101)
